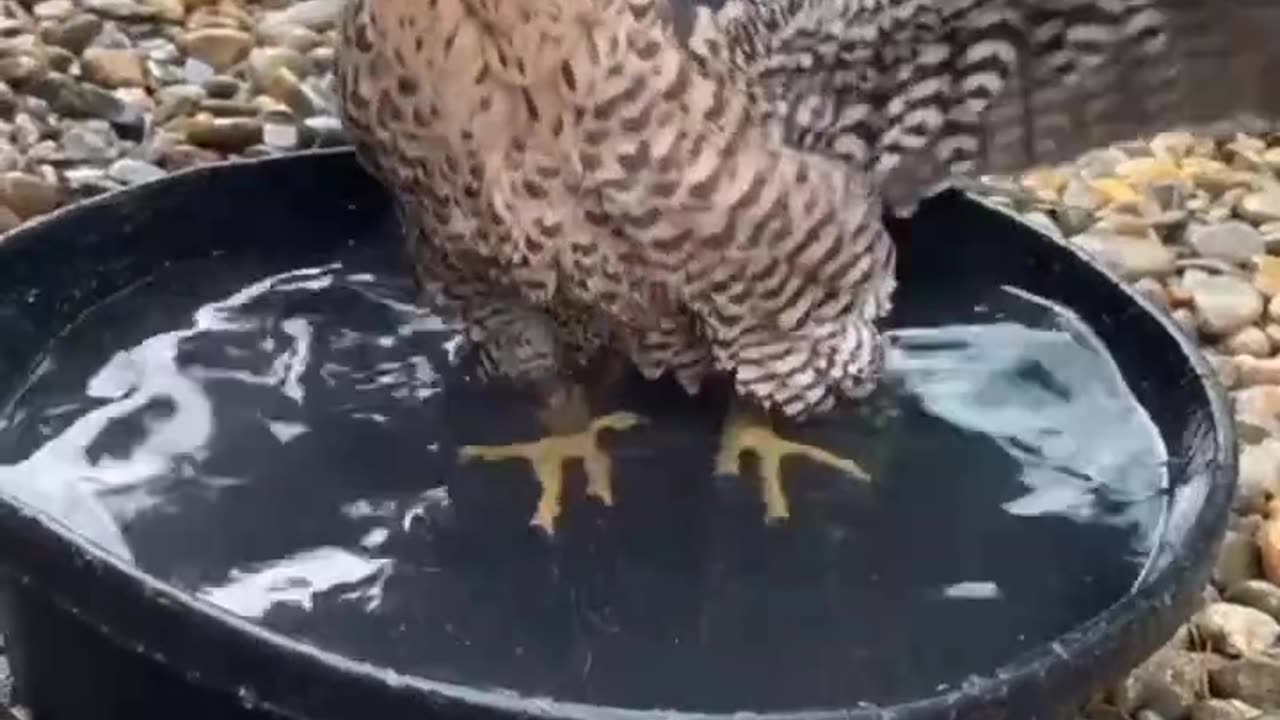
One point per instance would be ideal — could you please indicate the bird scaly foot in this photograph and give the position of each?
(548, 457)
(749, 431)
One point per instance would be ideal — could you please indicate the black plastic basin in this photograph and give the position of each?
(91, 635)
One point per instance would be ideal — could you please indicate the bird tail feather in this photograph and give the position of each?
(923, 91)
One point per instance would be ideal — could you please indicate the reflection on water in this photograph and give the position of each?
(295, 580)
(281, 442)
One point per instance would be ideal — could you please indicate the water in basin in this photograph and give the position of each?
(280, 440)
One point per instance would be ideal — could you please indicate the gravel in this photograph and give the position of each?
(97, 95)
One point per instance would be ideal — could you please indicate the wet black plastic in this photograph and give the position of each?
(91, 637)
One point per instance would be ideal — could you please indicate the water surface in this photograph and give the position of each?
(281, 441)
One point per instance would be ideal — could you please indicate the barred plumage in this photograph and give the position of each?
(701, 188)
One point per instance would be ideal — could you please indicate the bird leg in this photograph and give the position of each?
(574, 432)
(749, 430)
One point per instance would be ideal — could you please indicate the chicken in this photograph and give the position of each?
(698, 190)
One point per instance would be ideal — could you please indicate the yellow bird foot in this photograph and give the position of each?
(750, 432)
(548, 457)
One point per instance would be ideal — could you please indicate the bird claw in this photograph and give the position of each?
(746, 432)
(548, 456)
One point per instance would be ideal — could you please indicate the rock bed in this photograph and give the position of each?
(100, 94)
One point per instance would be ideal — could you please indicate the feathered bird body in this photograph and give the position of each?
(702, 189)
(573, 164)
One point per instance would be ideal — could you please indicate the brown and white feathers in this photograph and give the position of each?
(701, 188)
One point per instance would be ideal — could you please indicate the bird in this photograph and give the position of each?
(699, 188)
